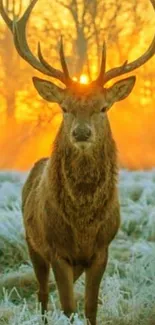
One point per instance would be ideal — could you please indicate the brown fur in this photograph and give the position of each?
(70, 203)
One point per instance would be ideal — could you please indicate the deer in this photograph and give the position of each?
(70, 200)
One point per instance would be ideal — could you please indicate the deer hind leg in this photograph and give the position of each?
(63, 273)
(41, 269)
(94, 275)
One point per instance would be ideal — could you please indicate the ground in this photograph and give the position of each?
(127, 295)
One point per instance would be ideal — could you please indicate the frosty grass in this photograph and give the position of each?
(127, 295)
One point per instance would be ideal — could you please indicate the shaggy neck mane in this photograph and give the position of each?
(82, 172)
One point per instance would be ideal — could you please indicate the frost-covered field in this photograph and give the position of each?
(127, 295)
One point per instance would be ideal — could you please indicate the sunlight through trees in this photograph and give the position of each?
(29, 124)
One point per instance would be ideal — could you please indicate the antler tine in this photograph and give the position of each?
(128, 67)
(100, 78)
(27, 12)
(18, 29)
(53, 72)
(63, 62)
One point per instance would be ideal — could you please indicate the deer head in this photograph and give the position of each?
(84, 106)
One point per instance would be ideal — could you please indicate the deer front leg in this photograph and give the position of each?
(64, 277)
(94, 275)
(41, 269)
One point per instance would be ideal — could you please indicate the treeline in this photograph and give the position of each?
(28, 124)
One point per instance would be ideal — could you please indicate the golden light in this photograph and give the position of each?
(84, 79)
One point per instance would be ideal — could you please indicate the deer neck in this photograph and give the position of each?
(82, 180)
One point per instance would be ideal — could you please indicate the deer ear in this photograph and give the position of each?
(121, 89)
(48, 90)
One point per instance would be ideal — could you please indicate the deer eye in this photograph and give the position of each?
(104, 108)
(64, 109)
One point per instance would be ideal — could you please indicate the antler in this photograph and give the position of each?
(126, 67)
(100, 79)
(18, 29)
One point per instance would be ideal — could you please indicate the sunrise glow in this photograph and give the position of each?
(84, 79)
(31, 123)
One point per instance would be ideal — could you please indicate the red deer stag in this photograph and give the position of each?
(70, 200)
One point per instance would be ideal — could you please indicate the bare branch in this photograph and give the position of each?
(18, 29)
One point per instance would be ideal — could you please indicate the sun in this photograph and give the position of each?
(84, 79)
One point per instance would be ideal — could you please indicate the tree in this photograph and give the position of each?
(91, 22)
(14, 69)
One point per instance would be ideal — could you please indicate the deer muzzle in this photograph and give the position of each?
(82, 135)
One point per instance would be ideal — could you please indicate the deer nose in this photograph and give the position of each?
(81, 133)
